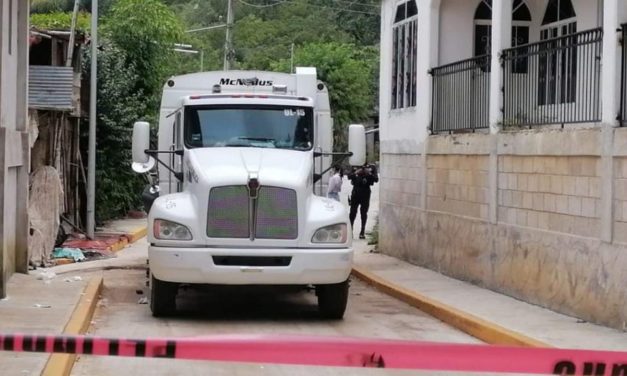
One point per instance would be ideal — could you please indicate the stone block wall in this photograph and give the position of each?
(559, 194)
(540, 215)
(458, 184)
(400, 179)
(620, 200)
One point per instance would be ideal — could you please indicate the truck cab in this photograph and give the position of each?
(243, 159)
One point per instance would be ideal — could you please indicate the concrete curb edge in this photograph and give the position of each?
(79, 322)
(128, 238)
(475, 326)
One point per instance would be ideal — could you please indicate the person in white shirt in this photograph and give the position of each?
(335, 184)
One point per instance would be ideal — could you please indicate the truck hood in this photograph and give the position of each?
(226, 166)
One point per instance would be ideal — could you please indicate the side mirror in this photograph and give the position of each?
(141, 142)
(357, 144)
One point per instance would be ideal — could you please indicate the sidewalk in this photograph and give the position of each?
(35, 306)
(538, 323)
(55, 303)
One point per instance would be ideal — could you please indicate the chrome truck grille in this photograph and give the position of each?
(233, 213)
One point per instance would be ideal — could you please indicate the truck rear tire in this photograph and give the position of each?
(332, 300)
(162, 297)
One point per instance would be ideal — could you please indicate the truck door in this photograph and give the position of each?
(324, 144)
(176, 161)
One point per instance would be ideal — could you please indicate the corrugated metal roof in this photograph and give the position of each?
(50, 87)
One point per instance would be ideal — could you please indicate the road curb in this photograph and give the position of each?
(136, 234)
(128, 238)
(79, 322)
(475, 326)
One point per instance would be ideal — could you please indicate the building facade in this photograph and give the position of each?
(14, 139)
(503, 156)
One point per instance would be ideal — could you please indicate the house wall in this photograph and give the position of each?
(457, 25)
(13, 140)
(523, 212)
(545, 246)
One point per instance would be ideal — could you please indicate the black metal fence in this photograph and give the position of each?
(461, 95)
(554, 81)
(623, 78)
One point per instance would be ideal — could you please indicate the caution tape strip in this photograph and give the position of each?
(343, 352)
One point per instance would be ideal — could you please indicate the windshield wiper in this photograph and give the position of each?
(260, 139)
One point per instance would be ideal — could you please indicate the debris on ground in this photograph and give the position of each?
(139, 292)
(46, 275)
(143, 300)
(75, 279)
(42, 306)
(73, 253)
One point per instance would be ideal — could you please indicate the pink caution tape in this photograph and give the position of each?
(346, 352)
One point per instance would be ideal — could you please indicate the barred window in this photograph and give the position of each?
(404, 55)
(521, 19)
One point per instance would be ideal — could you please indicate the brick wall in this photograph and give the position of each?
(458, 184)
(550, 193)
(620, 200)
(400, 179)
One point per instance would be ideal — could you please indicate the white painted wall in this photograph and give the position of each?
(405, 130)
(456, 30)
(457, 24)
(13, 162)
(8, 83)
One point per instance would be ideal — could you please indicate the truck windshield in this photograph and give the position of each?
(283, 127)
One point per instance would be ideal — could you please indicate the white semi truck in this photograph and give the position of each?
(243, 159)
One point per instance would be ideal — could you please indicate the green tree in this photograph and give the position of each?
(118, 188)
(146, 30)
(348, 72)
(136, 54)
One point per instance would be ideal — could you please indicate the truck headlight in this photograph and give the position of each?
(166, 230)
(335, 234)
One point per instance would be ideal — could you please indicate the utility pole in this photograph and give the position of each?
(228, 44)
(70, 47)
(91, 161)
(292, 58)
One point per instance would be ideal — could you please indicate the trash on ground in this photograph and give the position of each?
(139, 292)
(73, 253)
(143, 300)
(93, 255)
(75, 279)
(46, 275)
(42, 305)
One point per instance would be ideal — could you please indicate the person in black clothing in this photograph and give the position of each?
(362, 179)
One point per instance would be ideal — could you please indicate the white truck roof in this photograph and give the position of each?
(301, 84)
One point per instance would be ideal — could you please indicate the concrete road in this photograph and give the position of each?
(370, 314)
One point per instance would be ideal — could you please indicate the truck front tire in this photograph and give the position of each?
(332, 300)
(162, 297)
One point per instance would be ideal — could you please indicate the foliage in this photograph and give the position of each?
(60, 21)
(347, 70)
(137, 38)
(136, 41)
(147, 31)
(119, 105)
(51, 6)
(341, 44)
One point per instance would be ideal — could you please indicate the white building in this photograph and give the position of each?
(503, 159)
(14, 142)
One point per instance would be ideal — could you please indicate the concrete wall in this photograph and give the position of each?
(14, 159)
(545, 245)
(539, 214)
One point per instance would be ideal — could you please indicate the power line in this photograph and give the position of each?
(307, 4)
(261, 5)
(355, 2)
